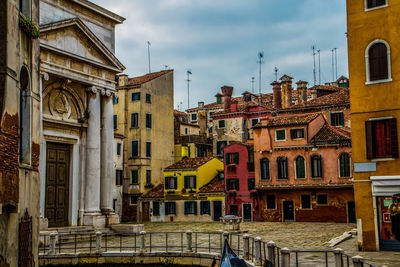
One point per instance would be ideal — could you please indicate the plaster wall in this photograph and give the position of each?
(118, 165)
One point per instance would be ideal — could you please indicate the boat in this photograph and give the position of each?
(229, 258)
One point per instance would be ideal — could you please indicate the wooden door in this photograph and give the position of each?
(217, 207)
(288, 211)
(57, 184)
(146, 211)
(351, 212)
(247, 212)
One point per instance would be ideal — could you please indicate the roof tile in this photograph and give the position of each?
(146, 78)
(189, 163)
(288, 120)
(215, 185)
(156, 192)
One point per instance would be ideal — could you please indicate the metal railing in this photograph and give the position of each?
(251, 249)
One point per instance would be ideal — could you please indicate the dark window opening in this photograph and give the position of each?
(297, 133)
(232, 158)
(221, 124)
(118, 177)
(337, 119)
(135, 149)
(134, 200)
(119, 149)
(282, 166)
(344, 161)
(233, 210)
(134, 177)
(322, 199)
(271, 202)
(305, 201)
(264, 169)
(205, 207)
(316, 166)
(115, 122)
(190, 207)
(280, 135)
(232, 184)
(156, 208)
(378, 62)
(135, 96)
(190, 181)
(148, 149)
(220, 147)
(375, 3)
(251, 183)
(300, 167)
(148, 121)
(171, 182)
(148, 98)
(382, 140)
(148, 177)
(134, 120)
(170, 208)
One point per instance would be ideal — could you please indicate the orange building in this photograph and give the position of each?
(303, 170)
(373, 35)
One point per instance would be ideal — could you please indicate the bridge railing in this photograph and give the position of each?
(251, 249)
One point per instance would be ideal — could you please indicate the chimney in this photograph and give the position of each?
(286, 82)
(227, 95)
(277, 94)
(302, 91)
(122, 80)
(201, 104)
(234, 106)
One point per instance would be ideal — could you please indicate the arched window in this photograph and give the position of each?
(264, 169)
(24, 117)
(282, 167)
(378, 61)
(344, 165)
(300, 167)
(316, 166)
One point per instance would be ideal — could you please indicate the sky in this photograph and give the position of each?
(219, 41)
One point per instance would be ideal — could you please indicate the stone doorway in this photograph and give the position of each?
(288, 211)
(217, 208)
(57, 184)
(146, 211)
(247, 212)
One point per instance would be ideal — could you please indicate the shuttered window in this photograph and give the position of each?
(171, 182)
(135, 148)
(316, 166)
(135, 97)
(148, 177)
(148, 149)
(300, 167)
(170, 208)
(282, 166)
(337, 119)
(156, 208)
(134, 120)
(232, 184)
(382, 140)
(378, 62)
(271, 202)
(264, 169)
(305, 201)
(204, 207)
(296, 133)
(190, 181)
(115, 121)
(344, 164)
(134, 177)
(251, 184)
(232, 158)
(148, 121)
(118, 177)
(190, 207)
(375, 3)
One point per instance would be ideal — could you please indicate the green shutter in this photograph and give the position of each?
(300, 168)
(195, 207)
(195, 178)
(236, 158)
(292, 134)
(175, 182)
(185, 182)
(166, 183)
(186, 208)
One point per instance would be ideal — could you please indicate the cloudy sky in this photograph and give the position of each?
(219, 41)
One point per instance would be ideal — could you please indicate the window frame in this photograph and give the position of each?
(119, 149)
(148, 149)
(341, 121)
(301, 202)
(168, 207)
(232, 158)
(148, 121)
(305, 167)
(115, 122)
(219, 124)
(286, 173)
(130, 200)
(266, 199)
(371, 138)
(224, 144)
(253, 120)
(133, 98)
(119, 176)
(339, 164)
(191, 117)
(231, 181)
(276, 135)
(148, 177)
(251, 184)
(158, 209)
(268, 170)
(312, 159)
(188, 205)
(167, 184)
(367, 72)
(205, 204)
(138, 149)
(297, 129)
(148, 98)
(366, 8)
(187, 181)
(137, 177)
(327, 201)
(134, 120)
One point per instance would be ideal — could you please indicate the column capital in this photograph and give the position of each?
(44, 75)
(92, 89)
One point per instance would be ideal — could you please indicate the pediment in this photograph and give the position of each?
(74, 37)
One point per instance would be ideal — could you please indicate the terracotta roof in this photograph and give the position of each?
(215, 185)
(325, 87)
(341, 97)
(189, 163)
(146, 78)
(177, 112)
(156, 192)
(329, 134)
(118, 135)
(288, 120)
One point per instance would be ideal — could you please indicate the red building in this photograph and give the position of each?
(241, 196)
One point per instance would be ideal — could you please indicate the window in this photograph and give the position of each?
(190, 207)
(148, 121)
(220, 147)
(300, 168)
(251, 184)
(271, 202)
(264, 169)
(204, 207)
(115, 100)
(186, 131)
(134, 200)
(344, 165)
(375, 3)
(115, 121)
(378, 61)
(148, 177)
(171, 182)
(337, 119)
(118, 177)
(148, 149)
(135, 96)
(282, 167)
(190, 181)
(297, 133)
(382, 140)
(254, 122)
(219, 99)
(233, 184)
(322, 199)
(280, 135)
(134, 120)
(232, 158)
(135, 149)
(25, 7)
(221, 124)
(247, 97)
(305, 201)
(316, 166)
(156, 208)
(170, 208)
(119, 146)
(193, 117)
(148, 98)
(134, 177)
(233, 210)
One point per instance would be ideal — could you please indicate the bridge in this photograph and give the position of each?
(179, 248)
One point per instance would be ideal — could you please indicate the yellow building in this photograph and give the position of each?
(143, 113)
(194, 190)
(375, 108)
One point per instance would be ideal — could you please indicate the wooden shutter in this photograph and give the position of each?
(393, 138)
(166, 183)
(369, 140)
(378, 65)
(292, 134)
(175, 182)
(333, 123)
(262, 172)
(194, 181)
(341, 118)
(195, 207)
(236, 158)
(186, 208)
(185, 182)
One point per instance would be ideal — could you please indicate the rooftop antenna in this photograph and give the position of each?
(314, 71)
(148, 53)
(260, 61)
(188, 72)
(276, 73)
(252, 84)
(333, 65)
(336, 76)
(319, 66)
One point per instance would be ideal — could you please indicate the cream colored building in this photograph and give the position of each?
(79, 69)
(143, 113)
(19, 134)
(118, 173)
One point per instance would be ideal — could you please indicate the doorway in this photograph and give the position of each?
(57, 184)
(217, 206)
(288, 211)
(247, 211)
(351, 212)
(146, 211)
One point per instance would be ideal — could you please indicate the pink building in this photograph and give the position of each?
(241, 197)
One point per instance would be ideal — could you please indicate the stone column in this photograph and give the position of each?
(92, 188)
(107, 143)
